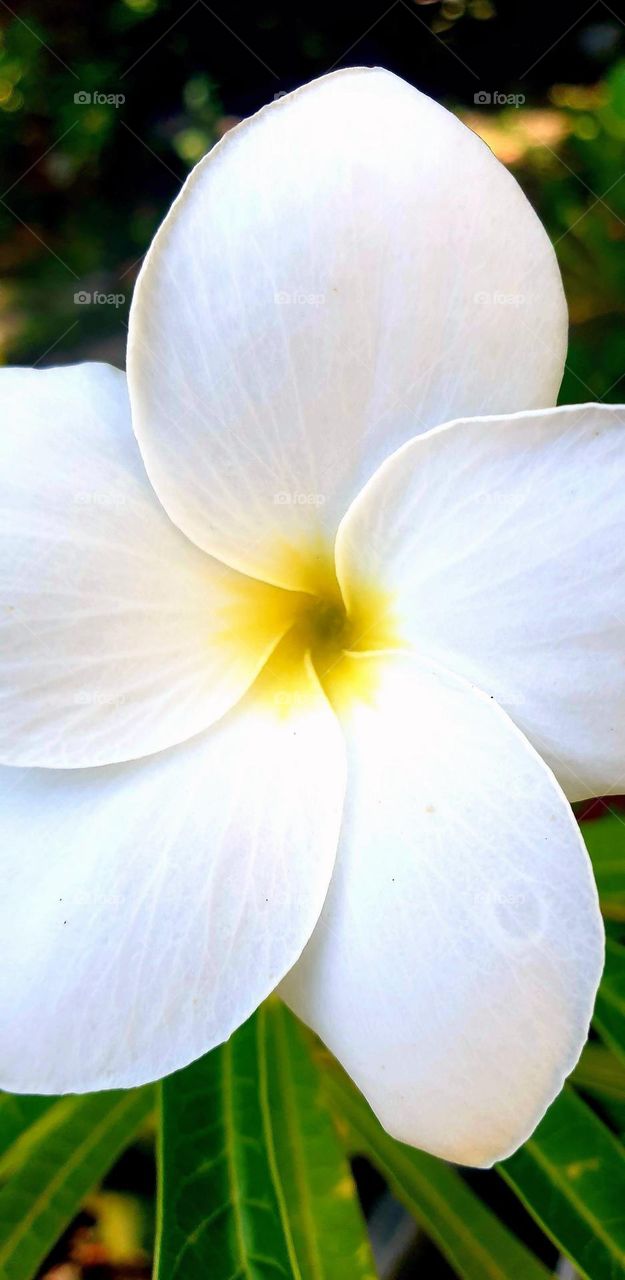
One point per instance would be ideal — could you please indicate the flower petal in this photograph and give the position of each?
(348, 267)
(503, 544)
(149, 907)
(118, 637)
(455, 963)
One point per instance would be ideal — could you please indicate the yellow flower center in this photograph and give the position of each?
(327, 629)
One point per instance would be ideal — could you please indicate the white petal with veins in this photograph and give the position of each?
(502, 543)
(118, 636)
(149, 907)
(454, 967)
(349, 267)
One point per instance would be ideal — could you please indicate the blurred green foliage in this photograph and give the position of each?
(568, 156)
(71, 219)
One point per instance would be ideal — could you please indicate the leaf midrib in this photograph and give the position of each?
(263, 1094)
(231, 1162)
(291, 1115)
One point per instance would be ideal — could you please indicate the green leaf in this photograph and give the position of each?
(54, 1165)
(17, 1113)
(253, 1181)
(600, 1073)
(319, 1196)
(220, 1212)
(605, 841)
(571, 1176)
(609, 1014)
(473, 1240)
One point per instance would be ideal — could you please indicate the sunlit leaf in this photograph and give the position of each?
(17, 1113)
(319, 1195)
(571, 1176)
(220, 1196)
(54, 1165)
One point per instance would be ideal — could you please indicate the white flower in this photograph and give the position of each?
(343, 274)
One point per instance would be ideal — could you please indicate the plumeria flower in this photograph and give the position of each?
(300, 677)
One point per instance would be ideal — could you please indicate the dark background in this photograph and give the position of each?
(84, 185)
